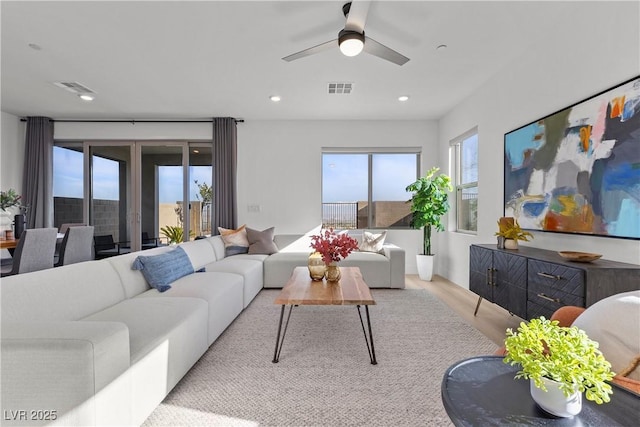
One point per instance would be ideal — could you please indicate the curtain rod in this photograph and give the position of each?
(133, 122)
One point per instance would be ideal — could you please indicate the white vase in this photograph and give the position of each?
(425, 266)
(510, 244)
(554, 401)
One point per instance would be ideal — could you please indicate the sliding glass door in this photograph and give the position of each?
(112, 193)
(139, 194)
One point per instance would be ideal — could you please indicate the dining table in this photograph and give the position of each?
(12, 242)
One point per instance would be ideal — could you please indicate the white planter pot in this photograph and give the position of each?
(554, 401)
(510, 244)
(425, 266)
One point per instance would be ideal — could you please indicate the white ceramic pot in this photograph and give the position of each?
(554, 401)
(425, 266)
(510, 244)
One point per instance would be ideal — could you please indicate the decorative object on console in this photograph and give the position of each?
(510, 231)
(430, 201)
(579, 256)
(333, 247)
(573, 171)
(566, 356)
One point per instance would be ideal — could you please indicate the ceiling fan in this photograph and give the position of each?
(351, 40)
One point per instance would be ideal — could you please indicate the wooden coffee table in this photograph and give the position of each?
(301, 290)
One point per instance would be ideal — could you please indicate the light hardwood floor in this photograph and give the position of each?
(492, 320)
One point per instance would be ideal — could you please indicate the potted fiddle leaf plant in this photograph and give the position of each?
(430, 201)
(560, 363)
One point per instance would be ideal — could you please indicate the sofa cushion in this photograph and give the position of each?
(250, 270)
(177, 326)
(133, 281)
(372, 242)
(163, 269)
(222, 291)
(235, 241)
(64, 293)
(261, 242)
(375, 267)
(200, 252)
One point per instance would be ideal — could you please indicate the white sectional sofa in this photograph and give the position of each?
(92, 344)
(379, 270)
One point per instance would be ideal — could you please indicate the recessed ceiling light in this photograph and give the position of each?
(86, 97)
(403, 98)
(274, 98)
(441, 47)
(196, 151)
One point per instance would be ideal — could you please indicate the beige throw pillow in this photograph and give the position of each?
(235, 241)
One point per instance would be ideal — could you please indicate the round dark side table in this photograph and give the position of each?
(482, 391)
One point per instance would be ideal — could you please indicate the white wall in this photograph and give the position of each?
(279, 163)
(11, 159)
(279, 169)
(11, 151)
(546, 78)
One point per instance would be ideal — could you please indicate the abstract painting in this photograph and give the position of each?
(578, 170)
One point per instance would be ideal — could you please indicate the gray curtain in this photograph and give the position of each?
(225, 144)
(37, 180)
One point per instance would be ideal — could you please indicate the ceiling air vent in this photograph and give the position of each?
(74, 87)
(340, 88)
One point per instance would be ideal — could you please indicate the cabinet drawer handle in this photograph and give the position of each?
(543, 296)
(550, 276)
(490, 281)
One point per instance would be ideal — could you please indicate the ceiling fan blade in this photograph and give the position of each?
(312, 50)
(381, 51)
(357, 15)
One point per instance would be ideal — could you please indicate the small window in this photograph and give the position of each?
(466, 164)
(367, 189)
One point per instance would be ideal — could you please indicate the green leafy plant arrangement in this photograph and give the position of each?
(9, 199)
(174, 233)
(564, 354)
(513, 231)
(430, 201)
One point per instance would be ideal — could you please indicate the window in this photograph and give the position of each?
(465, 150)
(367, 189)
(68, 184)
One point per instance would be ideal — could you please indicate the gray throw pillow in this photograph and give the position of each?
(261, 242)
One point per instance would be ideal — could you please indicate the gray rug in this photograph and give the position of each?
(324, 377)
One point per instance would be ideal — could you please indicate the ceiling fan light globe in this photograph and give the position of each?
(351, 47)
(351, 43)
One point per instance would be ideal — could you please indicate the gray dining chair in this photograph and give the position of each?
(34, 251)
(64, 227)
(76, 246)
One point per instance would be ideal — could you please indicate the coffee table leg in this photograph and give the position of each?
(370, 348)
(276, 353)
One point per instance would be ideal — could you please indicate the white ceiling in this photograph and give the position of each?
(192, 60)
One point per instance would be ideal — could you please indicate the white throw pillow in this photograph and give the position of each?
(372, 242)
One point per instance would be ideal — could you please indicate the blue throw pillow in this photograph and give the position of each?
(161, 270)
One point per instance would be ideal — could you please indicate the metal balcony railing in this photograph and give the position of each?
(340, 215)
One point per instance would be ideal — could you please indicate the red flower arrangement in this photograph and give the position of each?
(332, 246)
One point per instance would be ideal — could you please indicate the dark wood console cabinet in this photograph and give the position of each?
(532, 282)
